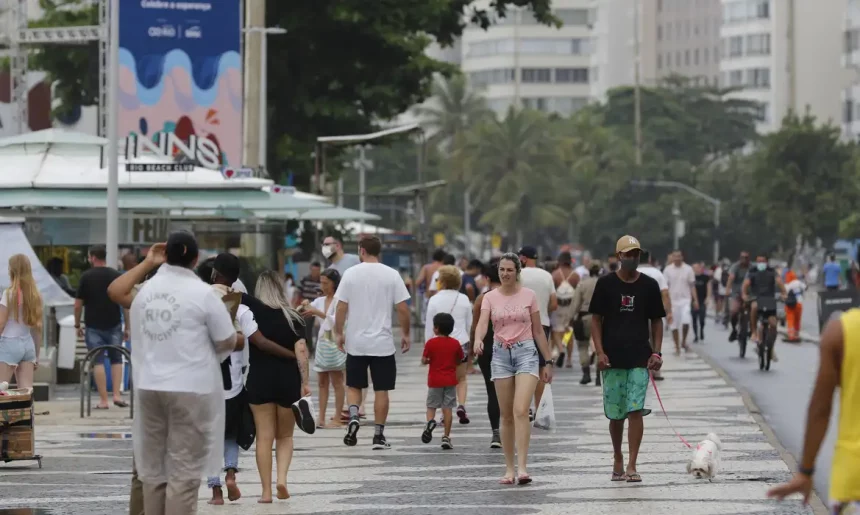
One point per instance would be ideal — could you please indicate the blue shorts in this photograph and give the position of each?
(105, 337)
(521, 358)
(16, 350)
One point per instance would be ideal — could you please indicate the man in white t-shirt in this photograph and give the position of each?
(582, 269)
(367, 293)
(541, 282)
(646, 266)
(681, 280)
(182, 329)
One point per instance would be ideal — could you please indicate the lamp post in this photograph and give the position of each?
(112, 212)
(264, 32)
(702, 195)
(637, 87)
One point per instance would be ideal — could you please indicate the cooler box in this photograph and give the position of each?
(16, 425)
(68, 343)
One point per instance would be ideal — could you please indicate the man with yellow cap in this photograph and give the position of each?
(628, 313)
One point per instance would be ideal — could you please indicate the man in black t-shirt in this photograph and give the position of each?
(703, 292)
(628, 313)
(103, 321)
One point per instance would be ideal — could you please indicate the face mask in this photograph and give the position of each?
(629, 264)
(327, 251)
(613, 266)
(761, 266)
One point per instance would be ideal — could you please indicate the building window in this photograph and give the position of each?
(678, 58)
(571, 75)
(573, 17)
(487, 77)
(696, 57)
(735, 79)
(848, 111)
(706, 55)
(852, 40)
(659, 61)
(669, 60)
(733, 47)
(538, 103)
(763, 112)
(659, 33)
(687, 57)
(537, 75)
(549, 46)
(746, 10)
(758, 44)
(758, 78)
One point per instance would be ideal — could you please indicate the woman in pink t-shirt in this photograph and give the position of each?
(519, 336)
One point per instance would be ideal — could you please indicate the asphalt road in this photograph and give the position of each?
(782, 394)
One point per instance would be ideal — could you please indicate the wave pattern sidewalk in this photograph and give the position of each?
(571, 467)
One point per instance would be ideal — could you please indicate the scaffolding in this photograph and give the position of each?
(17, 36)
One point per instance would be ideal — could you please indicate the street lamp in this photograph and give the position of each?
(264, 32)
(689, 189)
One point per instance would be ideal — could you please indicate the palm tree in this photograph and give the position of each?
(513, 166)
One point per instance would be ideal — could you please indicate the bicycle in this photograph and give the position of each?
(769, 334)
(743, 327)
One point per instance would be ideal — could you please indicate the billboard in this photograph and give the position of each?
(181, 73)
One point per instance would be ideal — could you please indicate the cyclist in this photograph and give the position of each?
(759, 288)
(734, 290)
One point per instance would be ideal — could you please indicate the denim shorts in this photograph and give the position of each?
(105, 337)
(521, 358)
(16, 350)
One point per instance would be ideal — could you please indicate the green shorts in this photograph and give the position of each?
(624, 392)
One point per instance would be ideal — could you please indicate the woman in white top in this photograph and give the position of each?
(20, 324)
(329, 362)
(450, 300)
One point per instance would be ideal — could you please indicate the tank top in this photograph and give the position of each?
(845, 473)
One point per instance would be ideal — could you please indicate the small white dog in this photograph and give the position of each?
(705, 462)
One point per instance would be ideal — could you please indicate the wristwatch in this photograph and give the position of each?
(806, 471)
(659, 354)
(550, 362)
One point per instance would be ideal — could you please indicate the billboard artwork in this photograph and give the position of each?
(181, 73)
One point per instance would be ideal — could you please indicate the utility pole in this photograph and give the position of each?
(263, 105)
(255, 16)
(637, 87)
(112, 214)
(362, 164)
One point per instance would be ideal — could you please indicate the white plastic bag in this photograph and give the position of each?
(545, 417)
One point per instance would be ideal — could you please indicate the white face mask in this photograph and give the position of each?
(327, 251)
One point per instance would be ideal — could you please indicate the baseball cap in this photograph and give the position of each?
(626, 244)
(227, 265)
(528, 252)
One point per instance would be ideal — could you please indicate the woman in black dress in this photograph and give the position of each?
(275, 383)
(484, 360)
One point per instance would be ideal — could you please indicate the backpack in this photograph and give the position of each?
(791, 299)
(724, 277)
(564, 292)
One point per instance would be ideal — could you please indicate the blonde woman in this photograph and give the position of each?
(274, 383)
(20, 324)
(330, 362)
(450, 300)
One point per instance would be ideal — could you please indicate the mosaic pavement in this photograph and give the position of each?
(86, 468)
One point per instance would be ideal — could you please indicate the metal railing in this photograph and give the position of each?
(87, 365)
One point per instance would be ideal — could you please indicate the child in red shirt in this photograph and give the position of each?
(443, 354)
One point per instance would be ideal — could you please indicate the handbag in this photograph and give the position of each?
(247, 429)
(578, 328)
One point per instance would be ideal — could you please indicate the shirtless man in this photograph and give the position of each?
(426, 275)
(562, 316)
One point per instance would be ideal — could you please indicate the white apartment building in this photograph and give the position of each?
(786, 55)
(851, 65)
(518, 61)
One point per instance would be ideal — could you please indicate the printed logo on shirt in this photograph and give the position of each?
(627, 303)
(160, 321)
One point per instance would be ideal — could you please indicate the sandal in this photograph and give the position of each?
(634, 478)
(619, 476)
(524, 479)
(120, 404)
(506, 481)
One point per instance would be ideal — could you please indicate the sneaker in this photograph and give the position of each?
(560, 361)
(461, 414)
(427, 435)
(446, 443)
(531, 415)
(304, 417)
(733, 335)
(380, 443)
(496, 443)
(351, 437)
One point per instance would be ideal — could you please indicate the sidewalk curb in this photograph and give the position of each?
(815, 502)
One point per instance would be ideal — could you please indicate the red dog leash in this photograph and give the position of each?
(654, 383)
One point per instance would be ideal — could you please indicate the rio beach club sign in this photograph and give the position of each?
(200, 150)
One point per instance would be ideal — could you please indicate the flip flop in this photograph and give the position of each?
(524, 479)
(619, 476)
(506, 481)
(634, 478)
(120, 404)
(102, 407)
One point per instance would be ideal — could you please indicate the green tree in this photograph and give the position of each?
(512, 165)
(804, 180)
(74, 69)
(684, 121)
